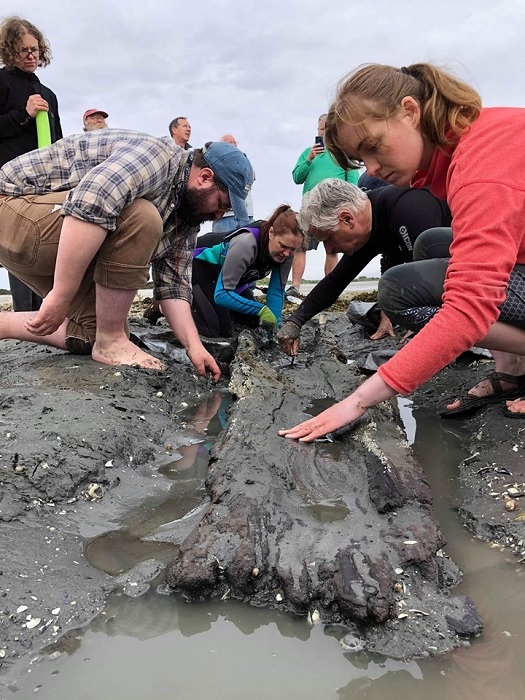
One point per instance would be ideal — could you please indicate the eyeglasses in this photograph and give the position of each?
(224, 208)
(27, 52)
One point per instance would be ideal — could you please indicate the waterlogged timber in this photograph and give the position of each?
(342, 531)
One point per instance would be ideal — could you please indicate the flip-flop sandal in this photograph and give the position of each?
(470, 403)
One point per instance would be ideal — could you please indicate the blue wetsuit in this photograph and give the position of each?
(223, 267)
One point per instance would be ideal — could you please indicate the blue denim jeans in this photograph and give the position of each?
(229, 223)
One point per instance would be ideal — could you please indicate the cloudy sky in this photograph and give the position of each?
(261, 69)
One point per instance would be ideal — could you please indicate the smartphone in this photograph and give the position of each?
(319, 141)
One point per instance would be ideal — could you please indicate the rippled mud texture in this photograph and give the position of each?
(79, 445)
(325, 526)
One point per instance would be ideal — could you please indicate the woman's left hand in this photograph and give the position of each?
(332, 419)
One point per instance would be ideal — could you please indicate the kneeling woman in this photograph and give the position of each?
(224, 267)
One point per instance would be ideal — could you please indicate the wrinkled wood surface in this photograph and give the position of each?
(320, 528)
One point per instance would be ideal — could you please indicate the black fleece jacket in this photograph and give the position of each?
(17, 128)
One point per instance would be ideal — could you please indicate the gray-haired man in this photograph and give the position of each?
(361, 225)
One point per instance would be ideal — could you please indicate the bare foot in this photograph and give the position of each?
(484, 388)
(125, 353)
(516, 406)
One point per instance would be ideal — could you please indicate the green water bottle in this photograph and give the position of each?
(43, 130)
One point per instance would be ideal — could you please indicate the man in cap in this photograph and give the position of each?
(230, 222)
(83, 220)
(95, 119)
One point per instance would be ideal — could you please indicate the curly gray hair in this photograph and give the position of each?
(320, 208)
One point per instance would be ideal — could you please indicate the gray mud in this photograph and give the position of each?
(83, 444)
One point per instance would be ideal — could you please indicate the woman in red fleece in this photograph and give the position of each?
(422, 126)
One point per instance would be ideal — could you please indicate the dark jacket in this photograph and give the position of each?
(398, 217)
(17, 128)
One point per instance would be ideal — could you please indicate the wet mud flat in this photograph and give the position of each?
(343, 533)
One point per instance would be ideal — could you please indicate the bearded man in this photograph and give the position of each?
(81, 222)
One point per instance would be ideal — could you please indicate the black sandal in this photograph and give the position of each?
(469, 403)
(514, 414)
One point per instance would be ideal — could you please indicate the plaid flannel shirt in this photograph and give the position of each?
(105, 171)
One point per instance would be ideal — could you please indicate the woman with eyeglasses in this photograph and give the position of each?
(23, 48)
(224, 266)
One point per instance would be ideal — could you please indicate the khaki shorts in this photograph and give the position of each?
(30, 229)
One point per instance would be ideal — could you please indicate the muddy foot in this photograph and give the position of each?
(516, 407)
(125, 354)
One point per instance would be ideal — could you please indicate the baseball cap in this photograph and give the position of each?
(90, 112)
(233, 168)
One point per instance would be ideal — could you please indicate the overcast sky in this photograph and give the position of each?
(263, 70)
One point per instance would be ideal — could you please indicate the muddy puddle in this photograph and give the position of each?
(158, 646)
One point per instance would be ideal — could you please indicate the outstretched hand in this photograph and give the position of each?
(335, 417)
(370, 393)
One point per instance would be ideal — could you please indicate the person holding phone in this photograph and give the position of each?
(314, 165)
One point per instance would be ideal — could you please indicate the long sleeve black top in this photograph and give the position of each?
(17, 128)
(398, 217)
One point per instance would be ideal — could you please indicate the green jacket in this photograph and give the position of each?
(321, 167)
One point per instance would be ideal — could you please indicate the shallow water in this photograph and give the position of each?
(157, 646)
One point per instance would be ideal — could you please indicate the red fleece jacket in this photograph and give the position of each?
(483, 181)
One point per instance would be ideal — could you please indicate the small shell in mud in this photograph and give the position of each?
(352, 642)
(511, 504)
(278, 597)
(399, 587)
(399, 570)
(255, 571)
(94, 491)
(313, 617)
(34, 622)
(21, 608)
